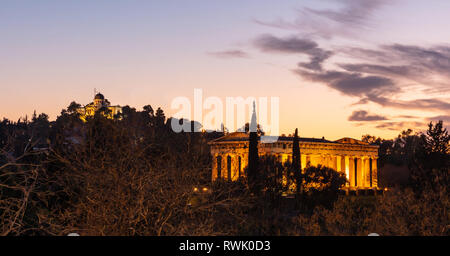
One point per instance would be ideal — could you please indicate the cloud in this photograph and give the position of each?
(375, 82)
(353, 13)
(398, 76)
(352, 84)
(269, 43)
(407, 116)
(352, 17)
(444, 118)
(396, 126)
(295, 45)
(387, 70)
(230, 54)
(384, 81)
(421, 104)
(317, 57)
(362, 115)
(427, 66)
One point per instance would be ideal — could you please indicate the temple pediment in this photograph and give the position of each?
(351, 141)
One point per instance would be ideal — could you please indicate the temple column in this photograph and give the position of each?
(228, 166)
(351, 176)
(333, 162)
(235, 169)
(214, 169)
(327, 161)
(338, 163)
(219, 166)
(368, 173)
(284, 158)
(363, 172)
(303, 161)
(315, 160)
(374, 172)
(359, 179)
(347, 169)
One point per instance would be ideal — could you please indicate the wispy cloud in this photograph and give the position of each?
(230, 54)
(429, 66)
(350, 17)
(398, 126)
(363, 116)
(444, 118)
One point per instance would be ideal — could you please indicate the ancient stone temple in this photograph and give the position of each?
(357, 159)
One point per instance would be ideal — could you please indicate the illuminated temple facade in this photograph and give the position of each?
(99, 103)
(356, 158)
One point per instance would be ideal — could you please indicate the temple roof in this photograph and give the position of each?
(241, 136)
(351, 141)
(244, 137)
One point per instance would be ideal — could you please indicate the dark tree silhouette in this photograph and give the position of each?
(73, 107)
(296, 162)
(253, 158)
(437, 138)
(322, 185)
(135, 176)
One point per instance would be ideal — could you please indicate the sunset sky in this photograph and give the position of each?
(340, 68)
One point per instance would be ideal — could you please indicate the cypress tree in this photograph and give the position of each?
(253, 158)
(296, 162)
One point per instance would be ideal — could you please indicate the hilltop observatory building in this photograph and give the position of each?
(99, 103)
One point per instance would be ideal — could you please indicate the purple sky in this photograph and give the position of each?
(341, 68)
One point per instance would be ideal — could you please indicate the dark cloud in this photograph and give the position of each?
(317, 57)
(230, 54)
(382, 82)
(352, 84)
(270, 43)
(363, 116)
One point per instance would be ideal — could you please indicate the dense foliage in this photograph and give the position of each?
(135, 176)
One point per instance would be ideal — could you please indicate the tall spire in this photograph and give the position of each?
(253, 124)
